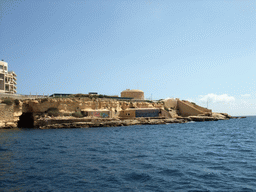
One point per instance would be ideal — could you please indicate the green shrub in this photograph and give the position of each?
(7, 101)
(53, 112)
(44, 100)
(66, 114)
(77, 114)
(17, 102)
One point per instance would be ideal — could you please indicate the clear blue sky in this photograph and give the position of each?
(187, 49)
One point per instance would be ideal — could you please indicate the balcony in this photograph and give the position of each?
(12, 86)
(14, 82)
(13, 73)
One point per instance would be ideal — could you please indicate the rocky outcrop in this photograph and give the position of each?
(219, 116)
(47, 123)
(202, 118)
(56, 123)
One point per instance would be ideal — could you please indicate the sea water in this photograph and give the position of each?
(200, 156)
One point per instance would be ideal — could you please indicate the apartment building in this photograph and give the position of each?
(7, 79)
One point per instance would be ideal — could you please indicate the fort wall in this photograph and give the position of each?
(186, 109)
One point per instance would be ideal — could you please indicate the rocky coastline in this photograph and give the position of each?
(85, 112)
(58, 123)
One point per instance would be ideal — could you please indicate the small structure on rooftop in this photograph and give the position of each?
(93, 93)
(60, 95)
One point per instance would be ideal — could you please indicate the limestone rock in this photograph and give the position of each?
(226, 115)
(2, 125)
(218, 116)
(201, 118)
(10, 125)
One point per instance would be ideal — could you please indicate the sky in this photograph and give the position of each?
(201, 51)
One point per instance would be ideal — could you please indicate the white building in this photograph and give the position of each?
(7, 79)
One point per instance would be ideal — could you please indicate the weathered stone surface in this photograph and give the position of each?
(2, 125)
(10, 125)
(218, 116)
(226, 115)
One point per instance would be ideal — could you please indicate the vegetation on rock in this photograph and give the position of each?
(77, 114)
(44, 100)
(7, 101)
(166, 109)
(53, 112)
(17, 102)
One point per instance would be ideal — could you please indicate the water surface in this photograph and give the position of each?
(203, 156)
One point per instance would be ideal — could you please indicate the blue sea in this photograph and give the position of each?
(197, 156)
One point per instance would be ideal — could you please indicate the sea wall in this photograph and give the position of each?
(186, 109)
(202, 109)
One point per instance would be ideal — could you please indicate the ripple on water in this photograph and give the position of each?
(1, 149)
(147, 166)
(171, 172)
(137, 177)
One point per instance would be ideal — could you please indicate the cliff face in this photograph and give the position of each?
(9, 115)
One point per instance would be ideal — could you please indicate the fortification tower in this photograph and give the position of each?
(134, 93)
